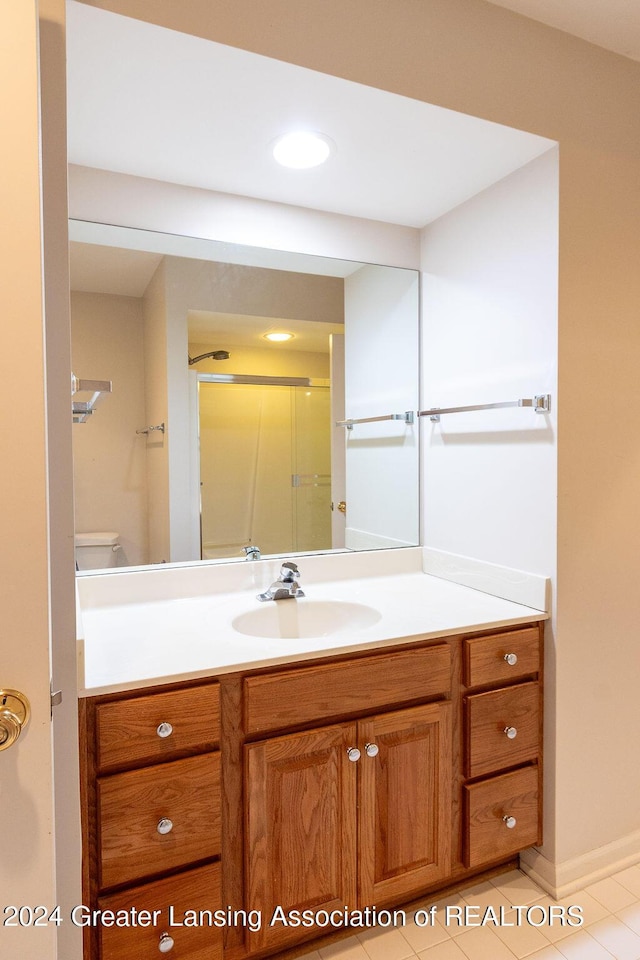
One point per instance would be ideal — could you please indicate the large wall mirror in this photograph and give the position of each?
(180, 462)
(233, 370)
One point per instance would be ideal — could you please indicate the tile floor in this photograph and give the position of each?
(610, 928)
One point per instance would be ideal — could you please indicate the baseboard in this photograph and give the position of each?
(562, 879)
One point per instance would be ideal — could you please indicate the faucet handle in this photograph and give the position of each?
(289, 571)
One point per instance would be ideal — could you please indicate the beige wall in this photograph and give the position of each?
(110, 472)
(471, 56)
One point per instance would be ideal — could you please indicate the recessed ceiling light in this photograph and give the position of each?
(278, 337)
(302, 149)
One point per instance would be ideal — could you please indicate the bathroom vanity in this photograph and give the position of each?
(370, 774)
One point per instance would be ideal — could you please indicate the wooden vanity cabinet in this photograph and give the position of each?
(351, 814)
(357, 780)
(152, 823)
(502, 710)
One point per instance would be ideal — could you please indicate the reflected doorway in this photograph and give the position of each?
(265, 467)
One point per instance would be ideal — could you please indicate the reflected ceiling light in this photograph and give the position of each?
(278, 337)
(302, 149)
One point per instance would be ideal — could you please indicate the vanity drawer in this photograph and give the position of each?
(132, 804)
(313, 694)
(486, 659)
(158, 726)
(502, 728)
(487, 803)
(197, 890)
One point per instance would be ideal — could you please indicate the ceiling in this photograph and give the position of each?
(613, 24)
(151, 102)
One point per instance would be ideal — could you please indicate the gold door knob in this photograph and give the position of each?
(14, 715)
(342, 506)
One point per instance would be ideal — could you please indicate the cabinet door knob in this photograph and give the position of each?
(511, 659)
(371, 749)
(165, 826)
(509, 822)
(166, 943)
(353, 754)
(164, 730)
(511, 732)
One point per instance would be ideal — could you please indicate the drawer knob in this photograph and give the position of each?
(510, 732)
(164, 730)
(165, 826)
(166, 943)
(371, 749)
(509, 822)
(511, 659)
(353, 754)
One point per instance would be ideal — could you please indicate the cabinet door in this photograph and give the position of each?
(404, 802)
(301, 828)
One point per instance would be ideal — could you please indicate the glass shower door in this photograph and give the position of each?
(311, 479)
(264, 468)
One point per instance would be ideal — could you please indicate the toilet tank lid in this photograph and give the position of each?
(97, 539)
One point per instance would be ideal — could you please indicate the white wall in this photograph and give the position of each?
(381, 378)
(107, 197)
(490, 295)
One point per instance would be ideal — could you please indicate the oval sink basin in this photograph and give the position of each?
(288, 619)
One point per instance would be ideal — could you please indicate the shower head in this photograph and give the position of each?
(214, 354)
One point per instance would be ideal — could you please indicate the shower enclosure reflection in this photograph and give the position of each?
(251, 454)
(265, 468)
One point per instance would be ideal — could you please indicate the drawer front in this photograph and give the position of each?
(164, 902)
(486, 659)
(131, 806)
(312, 694)
(488, 837)
(502, 728)
(158, 726)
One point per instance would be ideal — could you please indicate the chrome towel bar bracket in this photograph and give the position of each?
(407, 417)
(147, 430)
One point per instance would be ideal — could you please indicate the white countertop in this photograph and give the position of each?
(143, 642)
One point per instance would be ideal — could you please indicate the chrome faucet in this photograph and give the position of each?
(252, 552)
(285, 587)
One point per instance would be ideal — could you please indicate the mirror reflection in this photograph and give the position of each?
(230, 368)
